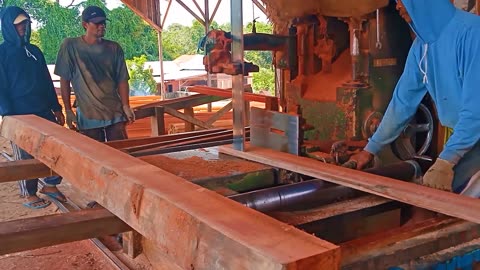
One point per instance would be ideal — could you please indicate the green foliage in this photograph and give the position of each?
(141, 79)
(180, 39)
(134, 35)
(56, 22)
(177, 41)
(264, 80)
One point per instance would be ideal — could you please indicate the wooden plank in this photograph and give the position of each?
(212, 140)
(120, 144)
(193, 226)
(400, 245)
(22, 170)
(180, 140)
(142, 13)
(432, 199)
(177, 104)
(32, 233)
(327, 211)
(227, 93)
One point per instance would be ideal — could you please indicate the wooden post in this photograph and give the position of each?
(132, 244)
(189, 112)
(158, 121)
(271, 103)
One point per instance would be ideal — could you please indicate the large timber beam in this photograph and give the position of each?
(194, 227)
(436, 200)
(37, 232)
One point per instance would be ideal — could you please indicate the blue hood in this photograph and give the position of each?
(429, 17)
(9, 32)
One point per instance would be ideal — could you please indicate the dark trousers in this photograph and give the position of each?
(29, 187)
(109, 133)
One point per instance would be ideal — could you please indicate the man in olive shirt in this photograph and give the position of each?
(98, 73)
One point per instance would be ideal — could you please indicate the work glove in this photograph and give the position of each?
(440, 175)
(359, 161)
(129, 113)
(71, 119)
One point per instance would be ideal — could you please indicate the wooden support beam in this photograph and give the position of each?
(397, 246)
(219, 113)
(37, 232)
(193, 226)
(190, 121)
(158, 121)
(330, 210)
(436, 200)
(22, 170)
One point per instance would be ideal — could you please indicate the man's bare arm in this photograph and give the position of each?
(124, 92)
(66, 91)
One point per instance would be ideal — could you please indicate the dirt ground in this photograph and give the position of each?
(77, 255)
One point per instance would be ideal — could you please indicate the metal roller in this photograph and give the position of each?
(313, 191)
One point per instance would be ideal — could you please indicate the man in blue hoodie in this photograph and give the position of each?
(27, 88)
(444, 61)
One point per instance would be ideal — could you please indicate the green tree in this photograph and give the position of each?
(264, 80)
(177, 41)
(141, 78)
(261, 58)
(132, 33)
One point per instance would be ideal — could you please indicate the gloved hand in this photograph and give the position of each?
(71, 119)
(129, 113)
(60, 117)
(440, 175)
(361, 159)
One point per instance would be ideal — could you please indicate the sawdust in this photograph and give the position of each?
(197, 168)
(323, 86)
(76, 255)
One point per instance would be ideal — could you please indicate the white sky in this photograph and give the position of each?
(178, 15)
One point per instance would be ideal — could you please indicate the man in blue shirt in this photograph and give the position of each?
(443, 61)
